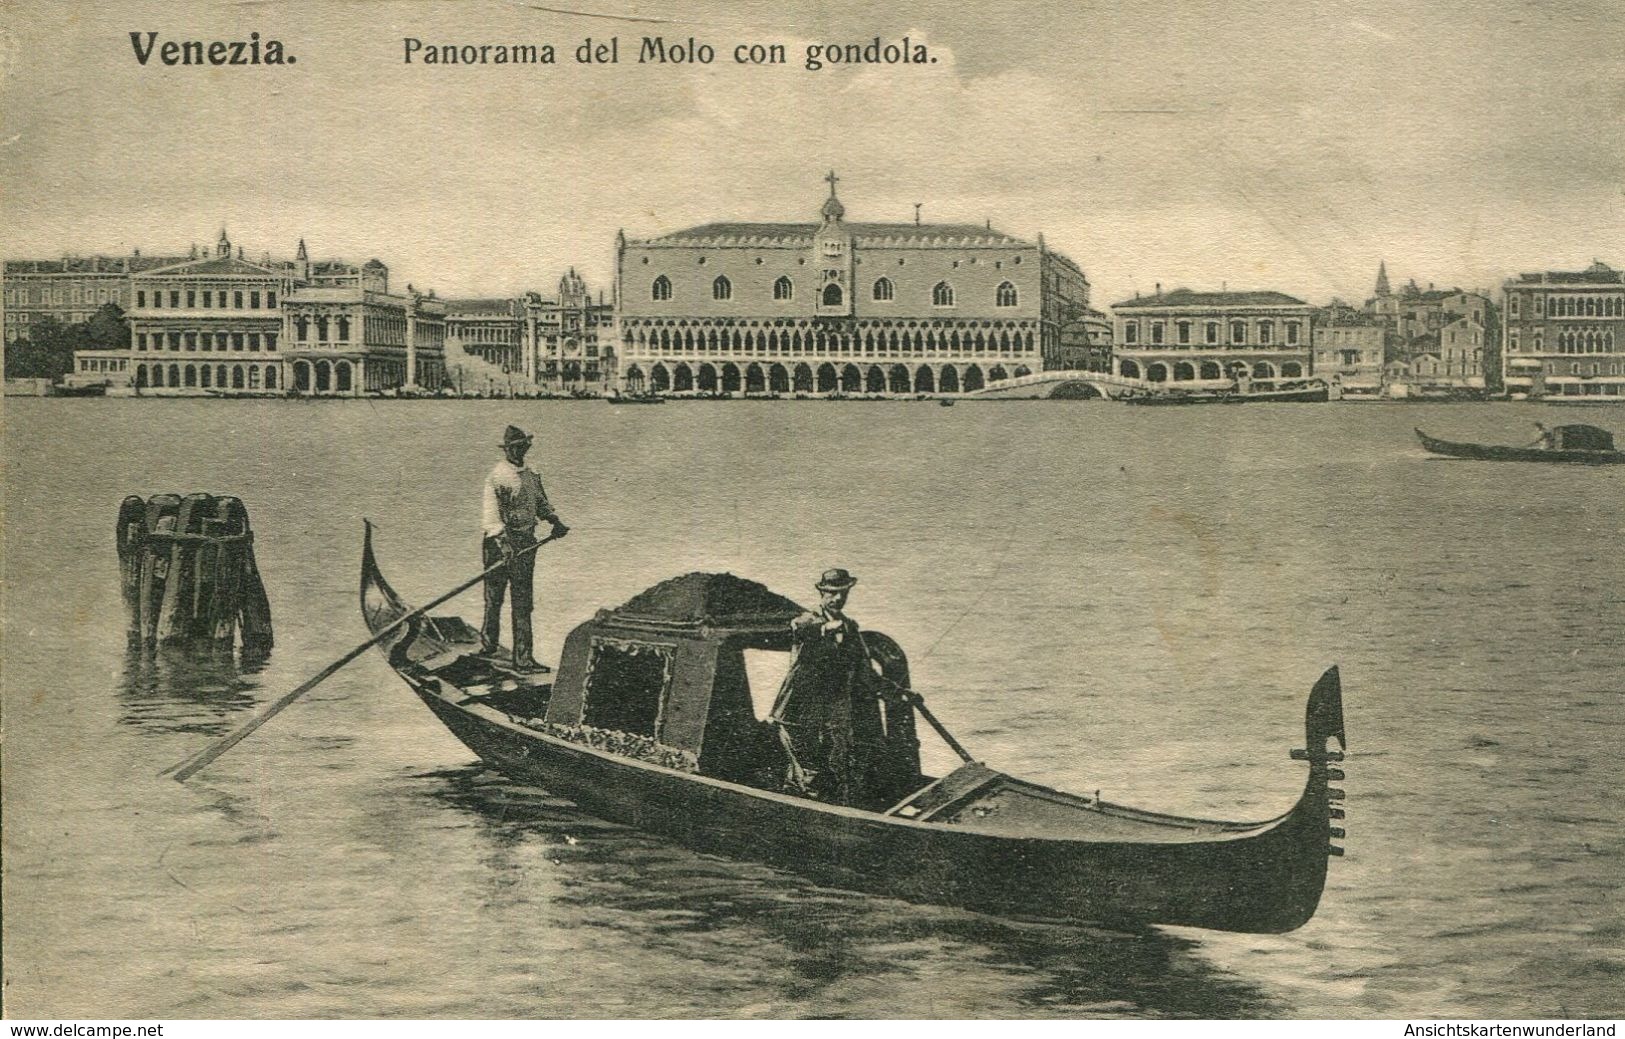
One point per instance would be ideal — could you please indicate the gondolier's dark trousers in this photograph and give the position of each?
(520, 580)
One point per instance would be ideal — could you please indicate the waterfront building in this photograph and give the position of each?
(490, 329)
(347, 340)
(208, 324)
(1350, 348)
(1427, 311)
(1086, 342)
(214, 323)
(70, 289)
(570, 338)
(99, 368)
(1456, 357)
(564, 342)
(839, 306)
(1417, 318)
(1565, 334)
(1186, 336)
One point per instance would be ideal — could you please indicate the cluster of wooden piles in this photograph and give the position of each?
(189, 573)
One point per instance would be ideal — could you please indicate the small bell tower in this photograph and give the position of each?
(832, 258)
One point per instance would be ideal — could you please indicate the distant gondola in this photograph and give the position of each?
(1584, 445)
(650, 724)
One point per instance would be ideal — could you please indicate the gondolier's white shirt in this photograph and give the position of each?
(506, 486)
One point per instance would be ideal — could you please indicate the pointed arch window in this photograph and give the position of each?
(784, 288)
(722, 288)
(832, 295)
(1006, 295)
(661, 289)
(884, 290)
(942, 295)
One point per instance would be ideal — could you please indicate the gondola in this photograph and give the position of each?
(648, 722)
(1597, 449)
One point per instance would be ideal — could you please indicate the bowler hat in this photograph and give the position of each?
(836, 580)
(514, 435)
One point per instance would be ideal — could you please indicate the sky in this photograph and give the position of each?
(1284, 146)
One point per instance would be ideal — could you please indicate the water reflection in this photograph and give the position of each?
(194, 690)
(819, 945)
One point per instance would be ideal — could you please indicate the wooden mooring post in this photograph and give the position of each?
(188, 573)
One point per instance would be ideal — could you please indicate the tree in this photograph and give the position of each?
(107, 329)
(40, 356)
(47, 353)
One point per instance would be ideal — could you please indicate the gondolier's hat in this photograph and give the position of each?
(836, 580)
(514, 435)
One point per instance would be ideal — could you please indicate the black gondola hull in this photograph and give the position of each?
(1494, 453)
(1250, 877)
(1266, 883)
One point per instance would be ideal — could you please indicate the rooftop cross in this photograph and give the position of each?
(833, 210)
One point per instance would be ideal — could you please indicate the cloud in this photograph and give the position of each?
(1262, 144)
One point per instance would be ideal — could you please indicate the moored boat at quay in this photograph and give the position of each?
(1307, 391)
(649, 723)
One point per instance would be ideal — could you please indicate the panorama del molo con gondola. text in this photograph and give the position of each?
(658, 50)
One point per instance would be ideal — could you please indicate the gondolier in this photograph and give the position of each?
(514, 502)
(827, 713)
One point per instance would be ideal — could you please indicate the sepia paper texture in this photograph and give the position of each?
(438, 228)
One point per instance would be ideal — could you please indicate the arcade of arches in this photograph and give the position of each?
(1203, 369)
(753, 377)
(798, 356)
(650, 339)
(227, 376)
(354, 376)
(337, 377)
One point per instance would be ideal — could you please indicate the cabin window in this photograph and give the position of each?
(625, 686)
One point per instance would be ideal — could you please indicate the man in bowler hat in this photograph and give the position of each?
(827, 712)
(514, 502)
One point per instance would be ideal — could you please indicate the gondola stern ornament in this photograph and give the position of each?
(1324, 717)
(1323, 720)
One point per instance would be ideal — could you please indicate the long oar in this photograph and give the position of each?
(918, 703)
(188, 768)
(925, 712)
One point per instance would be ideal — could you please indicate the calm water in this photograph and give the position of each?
(1095, 596)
